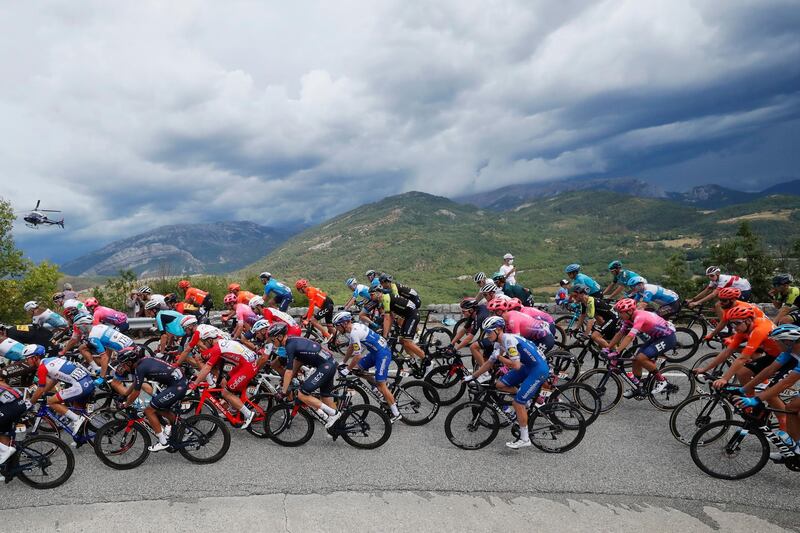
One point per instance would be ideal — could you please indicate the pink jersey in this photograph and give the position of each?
(245, 314)
(521, 324)
(106, 315)
(538, 314)
(648, 323)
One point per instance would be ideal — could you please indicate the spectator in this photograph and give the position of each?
(508, 270)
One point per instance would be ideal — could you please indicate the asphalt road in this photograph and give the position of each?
(628, 458)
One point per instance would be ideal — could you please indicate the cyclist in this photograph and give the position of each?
(45, 318)
(377, 355)
(515, 305)
(480, 280)
(168, 323)
(301, 351)
(196, 297)
(12, 407)
(717, 281)
(70, 303)
(215, 349)
(620, 280)
(244, 315)
(259, 342)
(321, 303)
(597, 318)
(513, 291)
(562, 294)
(474, 313)
(107, 315)
(193, 332)
(784, 298)
(491, 291)
(282, 293)
(131, 361)
(103, 341)
(77, 387)
(508, 270)
(407, 317)
(574, 273)
(661, 337)
(389, 285)
(374, 278)
(668, 302)
(360, 293)
(273, 315)
(728, 299)
(529, 370)
(518, 323)
(242, 297)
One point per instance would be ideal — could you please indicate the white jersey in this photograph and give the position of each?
(725, 281)
(50, 320)
(511, 279)
(60, 369)
(363, 337)
(11, 349)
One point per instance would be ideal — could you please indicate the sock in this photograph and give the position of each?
(322, 414)
(328, 410)
(393, 408)
(523, 433)
(3, 450)
(659, 376)
(95, 367)
(72, 417)
(245, 411)
(162, 438)
(635, 380)
(210, 379)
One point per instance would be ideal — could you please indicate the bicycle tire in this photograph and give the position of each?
(261, 402)
(354, 421)
(716, 372)
(25, 449)
(731, 447)
(564, 365)
(130, 437)
(475, 411)
(431, 344)
(678, 388)
(583, 396)
(190, 429)
(560, 335)
(691, 320)
(354, 389)
(687, 344)
(692, 415)
(564, 322)
(609, 389)
(458, 325)
(418, 402)
(550, 417)
(449, 386)
(280, 419)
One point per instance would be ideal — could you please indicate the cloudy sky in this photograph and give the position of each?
(129, 115)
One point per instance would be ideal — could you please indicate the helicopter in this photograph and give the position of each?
(37, 217)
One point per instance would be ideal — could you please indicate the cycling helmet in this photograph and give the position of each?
(468, 303)
(265, 275)
(780, 279)
(489, 286)
(171, 298)
(188, 320)
(342, 318)
(614, 264)
(514, 304)
(572, 267)
(498, 276)
(131, 354)
(376, 288)
(72, 312)
(255, 301)
(635, 280)
(33, 350)
(57, 297)
(259, 325)
(230, 298)
(626, 305)
(786, 333)
(385, 278)
(493, 322)
(508, 256)
(145, 290)
(371, 273)
(151, 304)
(30, 306)
(712, 270)
(277, 329)
(729, 293)
(83, 322)
(480, 276)
(563, 282)
(91, 303)
(207, 331)
(580, 288)
(496, 305)
(350, 282)
(301, 284)
(233, 287)
(184, 284)
(740, 312)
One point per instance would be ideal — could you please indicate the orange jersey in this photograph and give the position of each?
(315, 299)
(195, 296)
(758, 339)
(756, 309)
(244, 297)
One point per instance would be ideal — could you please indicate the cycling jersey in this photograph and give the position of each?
(244, 314)
(361, 337)
(230, 351)
(656, 294)
(398, 305)
(9, 394)
(588, 307)
(169, 321)
(648, 323)
(583, 279)
(50, 320)
(196, 336)
(244, 297)
(758, 339)
(12, 407)
(474, 323)
(538, 314)
(517, 291)
(788, 357)
(75, 376)
(624, 277)
(361, 293)
(106, 315)
(306, 351)
(76, 304)
(152, 369)
(12, 350)
(516, 348)
(724, 281)
(281, 291)
(406, 292)
(103, 337)
(316, 300)
(788, 299)
(530, 376)
(518, 323)
(195, 296)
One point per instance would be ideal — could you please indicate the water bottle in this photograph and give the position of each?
(785, 437)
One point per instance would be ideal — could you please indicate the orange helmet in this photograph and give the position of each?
(301, 284)
(233, 287)
(626, 305)
(740, 312)
(184, 284)
(729, 293)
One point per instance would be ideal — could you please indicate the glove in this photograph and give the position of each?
(344, 371)
(741, 391)
(469, 378)
(708, 337)
(750, 402)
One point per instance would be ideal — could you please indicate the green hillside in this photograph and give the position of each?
(436, 245)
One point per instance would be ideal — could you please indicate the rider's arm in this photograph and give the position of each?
(710, 295)
(41, 390)
(289, 374)
(131, 396)
(701, 294)
(387, 324)
(768, 372)
(772, 392)
(616, 339)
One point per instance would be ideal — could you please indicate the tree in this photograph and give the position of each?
(745, 255)
(678, 278)
(11, 261)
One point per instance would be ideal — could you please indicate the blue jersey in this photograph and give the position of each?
(50, 320)
(624, 277)
(152, 369)
(170, 322)
(12, 350)
(281, 291)
(787, 357)
(656, 294)
(103, 337)
(361, 293)
(376, 282)
(517, 347)
(583, 279)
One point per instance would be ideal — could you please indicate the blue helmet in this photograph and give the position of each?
(572, 267)
(635, 280)
(350, 282)
(787, 333)
(33, 350)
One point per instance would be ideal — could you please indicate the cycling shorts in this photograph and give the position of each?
(795, 316)
(380, 360)
(757, 365)
(545, 344)
(284, 302)
(326, 311)
(240, 376)
(608, 329)
(669, 310)
(321, 379)
(170, 396)
(655, 347)
(78, 392)
(410, 323)
(9, 414)
(529, 379)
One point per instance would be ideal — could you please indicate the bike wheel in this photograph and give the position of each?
(122, 444)
(448, 384)
(353, 390)
(288, 425)
(691, 321)
(465, 425)
(364, 426)
(203, 439)
(560, 335)
(680, 386)
(580, 395)
(715, 373)
(696, 413)
(737, 451)
(458, 325)
(46, 461)
(434, 339)
(607, 386)
(260, 403)
(686, 346)
(564, 365)
(418, 402)
(556, 427)
(564, 323)
(100, 411)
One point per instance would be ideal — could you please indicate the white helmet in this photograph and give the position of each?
(493, 322)
(508, 256)
(489, 286)
(83, 322)
(207, 331)
(151, 304)
(255, 301)
(188, 320)
(342, 317)
(712, 270)
(259, 325)
(30, 306)
(265, 275)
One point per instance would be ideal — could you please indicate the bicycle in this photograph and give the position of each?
(122, 444)
(40, 461)
(738, 449)
(695, 318)
(483, 415)
(292, 423)
(212, 396)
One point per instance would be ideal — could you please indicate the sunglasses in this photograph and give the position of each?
(736, 323)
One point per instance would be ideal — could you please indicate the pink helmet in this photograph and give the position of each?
(91, 303)
(230, 298)
(514, 304)
(496, 305)
(626, 305)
